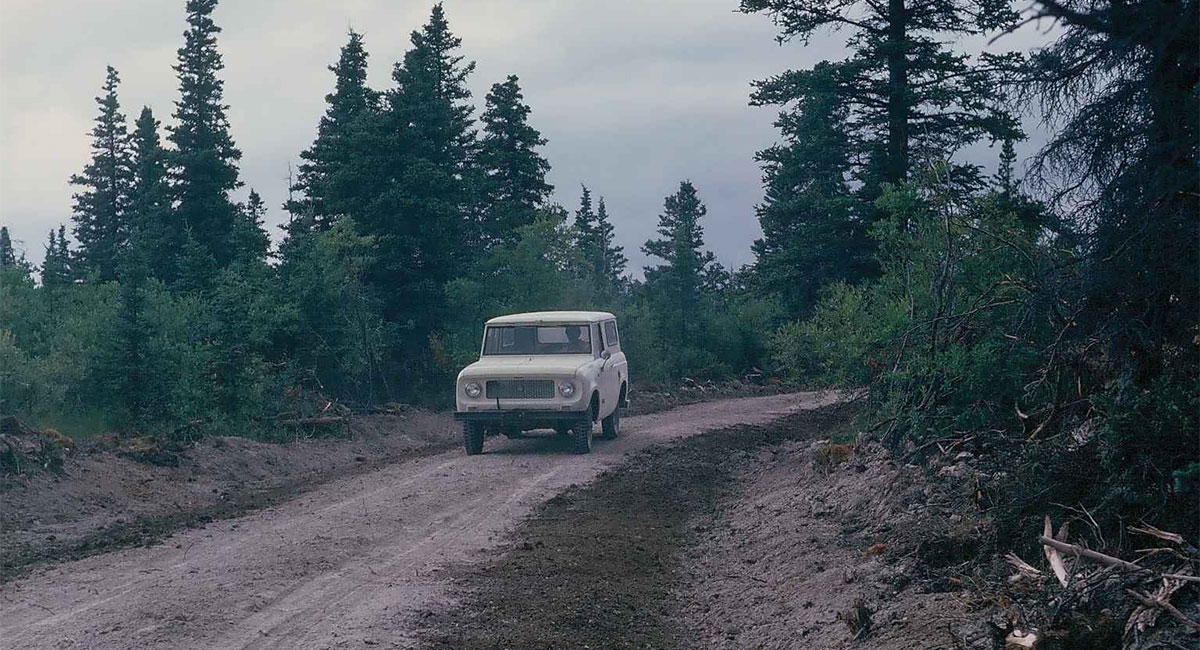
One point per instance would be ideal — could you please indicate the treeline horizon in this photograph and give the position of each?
(1051, 318)
(412, 218)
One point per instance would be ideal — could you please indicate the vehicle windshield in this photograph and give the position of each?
(537, 339)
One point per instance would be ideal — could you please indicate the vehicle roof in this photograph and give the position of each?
(543, 317)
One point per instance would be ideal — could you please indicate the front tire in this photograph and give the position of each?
(581, 435)
(611, 425)
(473, 438)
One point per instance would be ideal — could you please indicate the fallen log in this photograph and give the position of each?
(1052, 556)
(1088, 553)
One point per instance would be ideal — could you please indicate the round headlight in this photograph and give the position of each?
(566, 388)
(472, 389)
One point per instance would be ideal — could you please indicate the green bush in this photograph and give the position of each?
(969, 334)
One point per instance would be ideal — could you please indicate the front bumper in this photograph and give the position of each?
(525, 417)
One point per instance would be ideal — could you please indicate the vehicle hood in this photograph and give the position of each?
(557, 365)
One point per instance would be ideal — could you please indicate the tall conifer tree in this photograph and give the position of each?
(8, 257)
(127, 367)
(1004, 180)
(250, 239)
(677, 283)
(204, 163)
(904, 89)
(101, 210)
(515, 184)
(610, 257)
(811, 233)
(332, 180)
(56, 267)
(159, 228)
(423, 152)
(585, 223)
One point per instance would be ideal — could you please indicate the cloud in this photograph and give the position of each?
(633, 96)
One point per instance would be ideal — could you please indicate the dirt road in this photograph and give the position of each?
(343, 566)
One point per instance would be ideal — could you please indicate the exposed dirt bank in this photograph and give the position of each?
(597, 565)
(795, 534)
(828, 545)
(102, 501)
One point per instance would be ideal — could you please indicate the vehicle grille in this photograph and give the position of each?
(520, 389)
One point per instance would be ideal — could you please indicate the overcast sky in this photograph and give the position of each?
(634, 96)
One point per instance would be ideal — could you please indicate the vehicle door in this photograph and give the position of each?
(616, 370)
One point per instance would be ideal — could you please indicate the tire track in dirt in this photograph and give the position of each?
(341, 566)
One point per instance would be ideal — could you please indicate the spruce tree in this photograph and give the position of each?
(811, 232)
(160, 230)
(1004, 181)
(1012, 201)
(610, 257)
(904, 89)
(197, 268)
(515, 183)
(585, 224)
(101, 210)
(250, 240)
(204, 164)
(8, 256)
(423, 154)
(677, 283)
(1121, 88)
(333, 180)
(56, 268)
(126, 368)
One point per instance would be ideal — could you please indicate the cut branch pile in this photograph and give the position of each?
(24, 449)
(1151, 581)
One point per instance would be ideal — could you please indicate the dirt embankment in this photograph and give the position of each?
(100, 500)
(92, 498)
(603, 565)
(786, 535)
(347, 564)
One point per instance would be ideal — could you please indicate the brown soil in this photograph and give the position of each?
(103, 500)
(99, 498)
(753, 537)
(827, 545)
(345, 564)
(594, 567)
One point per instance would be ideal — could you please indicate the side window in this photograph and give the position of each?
(599, 346)
(610, 334)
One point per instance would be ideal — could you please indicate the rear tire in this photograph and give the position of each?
(473, 438)
(581, 435)
(611, 425)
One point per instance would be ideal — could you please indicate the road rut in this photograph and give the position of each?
(343, 566)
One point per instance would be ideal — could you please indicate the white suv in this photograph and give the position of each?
(561, 370)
